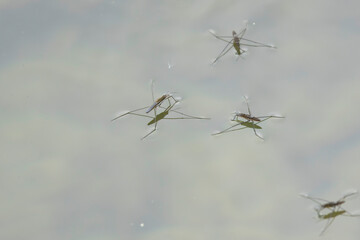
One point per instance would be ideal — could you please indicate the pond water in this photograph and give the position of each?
(68, 67)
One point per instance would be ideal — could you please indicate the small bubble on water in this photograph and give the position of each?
(142, 224)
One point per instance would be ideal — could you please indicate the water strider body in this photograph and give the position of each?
(332, 209)
(159, 101)
(332, 214)
(235, 42)
(247, 117)
(332, 204)
(164, 111)
(323, 204)
(251, 121)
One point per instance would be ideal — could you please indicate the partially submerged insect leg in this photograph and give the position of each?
(229, 129)
(327, 225)
(349, 194)
(256, 132)
(186, 115)
(258, 44)
(155, 126)
(130, 112)
(242, 33)
(316, 200)
(222, 38)
(223, 52)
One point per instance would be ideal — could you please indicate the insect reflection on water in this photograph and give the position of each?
(234, 41)
(332, 209)
(251, 122)
(156, 107)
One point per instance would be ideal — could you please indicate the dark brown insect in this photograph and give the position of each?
(249, 123)
(160, 112)
(323, 204)
(234, 41)
(332, 209)
(332, 204)
(247, 117)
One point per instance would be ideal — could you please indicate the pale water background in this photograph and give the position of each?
(68, 67)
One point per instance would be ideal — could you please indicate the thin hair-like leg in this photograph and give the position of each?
(251, 45)
(247, 104)
(259, 44)
(232, 130)
(229, 129)
(227, 41)
(152, 90)
(221, 37)
(155, 126)
(256, 132)
(241, 34)
(315, 200)
(189, 116)
(267, 117)
(348, 195)
(327, 225)
(131, 112)
(140, 115)
(183, 114)
(223, 52)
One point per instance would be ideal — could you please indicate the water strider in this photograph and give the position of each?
(251, 121)
(234, 41)
(156, 106)
(332, 209)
